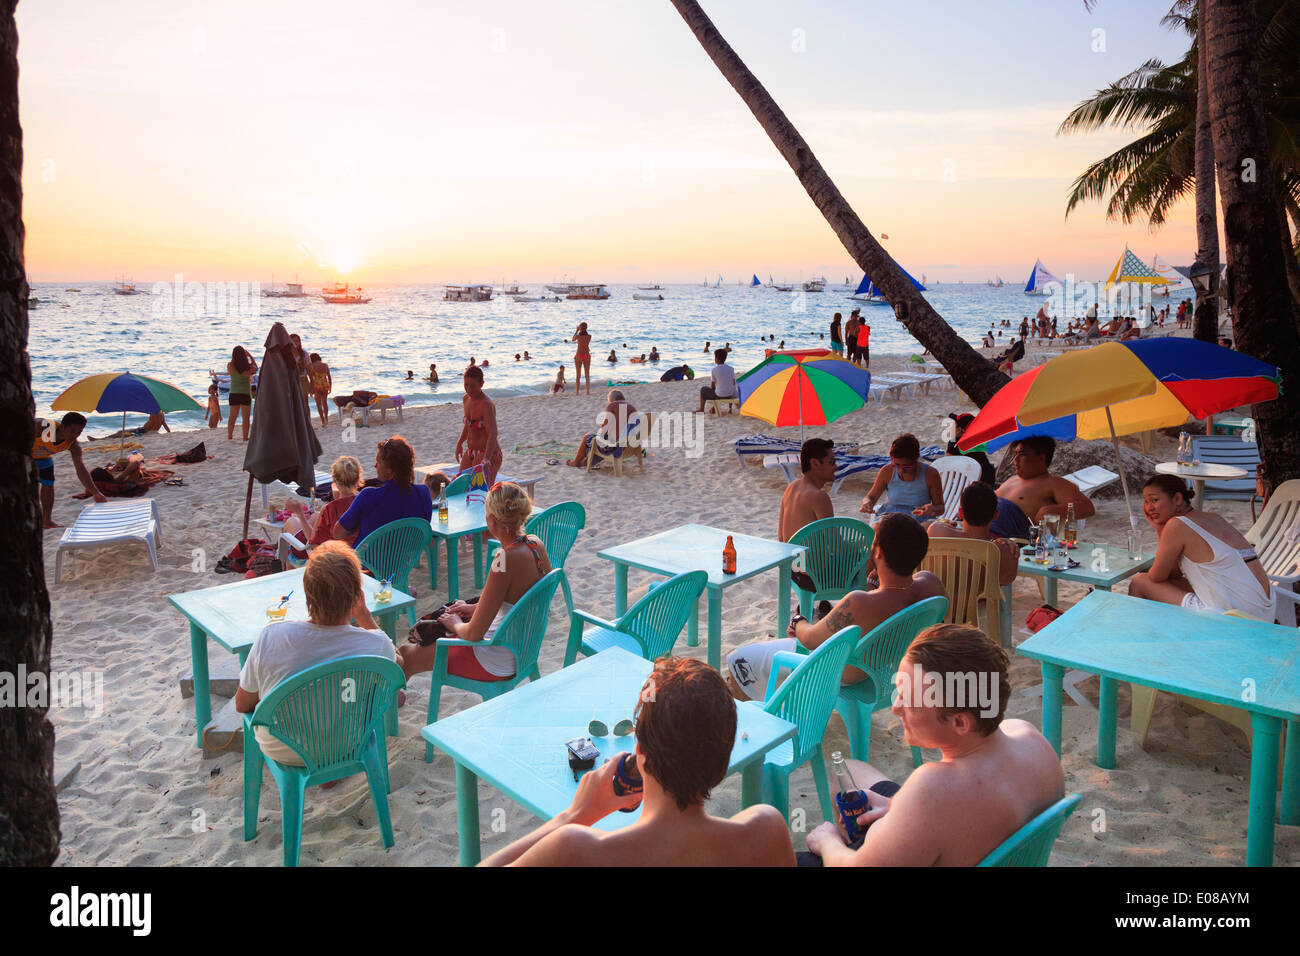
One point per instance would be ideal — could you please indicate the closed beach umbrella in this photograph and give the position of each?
(282, 445)
(1121, 388)
(124, 392)
(806, 387)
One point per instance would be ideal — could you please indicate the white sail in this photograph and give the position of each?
(1177, 281)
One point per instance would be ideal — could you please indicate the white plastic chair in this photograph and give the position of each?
(282, 490)
(109, 524)
(1276, 537)
(956, 472)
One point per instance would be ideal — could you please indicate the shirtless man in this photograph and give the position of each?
(50, 440)
(995, 775)
(477, 444)
(433, 373)
(899, 547)
(1031, 492)
(685, 731)
(805, 499)
(979, 503)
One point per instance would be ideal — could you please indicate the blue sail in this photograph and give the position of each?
(755, 281)
(1029, 286)
(868, 287)
(863, 286)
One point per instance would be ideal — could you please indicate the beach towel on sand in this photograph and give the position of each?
(130, 489)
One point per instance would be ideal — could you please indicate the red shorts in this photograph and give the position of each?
(463, 662)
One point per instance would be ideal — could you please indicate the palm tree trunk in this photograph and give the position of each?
(976, 376)
(1206, 324)
(1265, 317)
(29, 813)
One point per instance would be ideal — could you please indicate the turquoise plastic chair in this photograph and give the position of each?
(393, 550)
(836, 559)
(1031, 845)
(521, 631)
(558, 528)
(459, 485)
(332, 716)
(879, 654)
(805, 699)
(649, 629)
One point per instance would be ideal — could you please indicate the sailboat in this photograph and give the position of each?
(869, 293)
(1177, 281)
(1130, 268)
(718, 284)
(754, 283)
(1039, 279)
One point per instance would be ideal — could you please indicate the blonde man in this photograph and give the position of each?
(332, 585)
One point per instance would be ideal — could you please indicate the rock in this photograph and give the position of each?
(1071, 456)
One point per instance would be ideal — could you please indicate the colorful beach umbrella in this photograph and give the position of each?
(124, 392)
(804, 387)
(1121, 388)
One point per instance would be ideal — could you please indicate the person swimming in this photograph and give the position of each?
(527, 357)
(410, 376)
(433, 373)
(613, 357)
(654, 354)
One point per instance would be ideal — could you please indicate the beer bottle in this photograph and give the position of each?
(851, 802)
(1071, 527)
(729, 557)
(443, 514)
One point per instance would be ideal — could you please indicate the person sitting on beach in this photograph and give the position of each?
(979, 503)
(899, 547)
(805, 499)
(1202, 562)
(995, 775)
(121, 474)
(398, 497)
(685, 732)
(214, 406)
(50, 440)
(988, 473)
(477, 444)
(519, 564)
(616, 420)
(1130, 330)
(559, 381)
(1014, 353)
(989, 341)
(433, 373)
(1032, 492)
(331, 584)
(914, 487)
(316, 529)
(722, 380)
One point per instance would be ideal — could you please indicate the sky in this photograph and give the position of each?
(486, 140)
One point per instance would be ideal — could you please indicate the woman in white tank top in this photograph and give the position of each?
(1202, 562)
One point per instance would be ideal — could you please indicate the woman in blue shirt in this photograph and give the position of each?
(398, 497)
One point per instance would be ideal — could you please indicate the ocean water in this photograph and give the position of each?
(178, 338)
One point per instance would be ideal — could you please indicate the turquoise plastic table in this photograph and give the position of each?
(696, 547)
(1118, 567)
(516, 741)
(465, 515)
(1226, 660)
(234, 614)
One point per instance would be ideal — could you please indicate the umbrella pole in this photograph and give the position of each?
(1123, 480)
(248, 504)
(121, 437)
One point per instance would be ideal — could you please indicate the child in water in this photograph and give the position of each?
(214, 406)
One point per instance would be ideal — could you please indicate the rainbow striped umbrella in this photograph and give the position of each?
(124, 392)
(806, 387)
(1121, 388)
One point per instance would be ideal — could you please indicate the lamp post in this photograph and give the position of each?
(1200, 274)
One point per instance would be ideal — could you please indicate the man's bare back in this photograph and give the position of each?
(803, 502)
(866, 609)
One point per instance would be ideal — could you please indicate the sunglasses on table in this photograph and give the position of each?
(598, 728)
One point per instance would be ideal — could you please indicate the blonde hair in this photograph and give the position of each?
(510, 505)
(332, 583)
(346, 472)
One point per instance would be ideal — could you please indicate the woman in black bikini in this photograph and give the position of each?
(477, 444)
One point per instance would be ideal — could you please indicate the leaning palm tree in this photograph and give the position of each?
(29, 813)
(972, 372)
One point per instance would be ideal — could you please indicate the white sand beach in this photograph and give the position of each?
(145, 795)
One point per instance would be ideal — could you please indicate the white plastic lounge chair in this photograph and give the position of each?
(1092, 478)
(956, 472)
(882, 385)
(282, 490)
(1276, 537)
(112, 523)
(923, 379)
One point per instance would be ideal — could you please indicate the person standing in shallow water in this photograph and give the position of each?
(581, 358)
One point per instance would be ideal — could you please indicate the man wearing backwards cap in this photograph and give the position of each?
(987, 473)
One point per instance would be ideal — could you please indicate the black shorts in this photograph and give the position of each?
(709, 395)
(240, 399)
